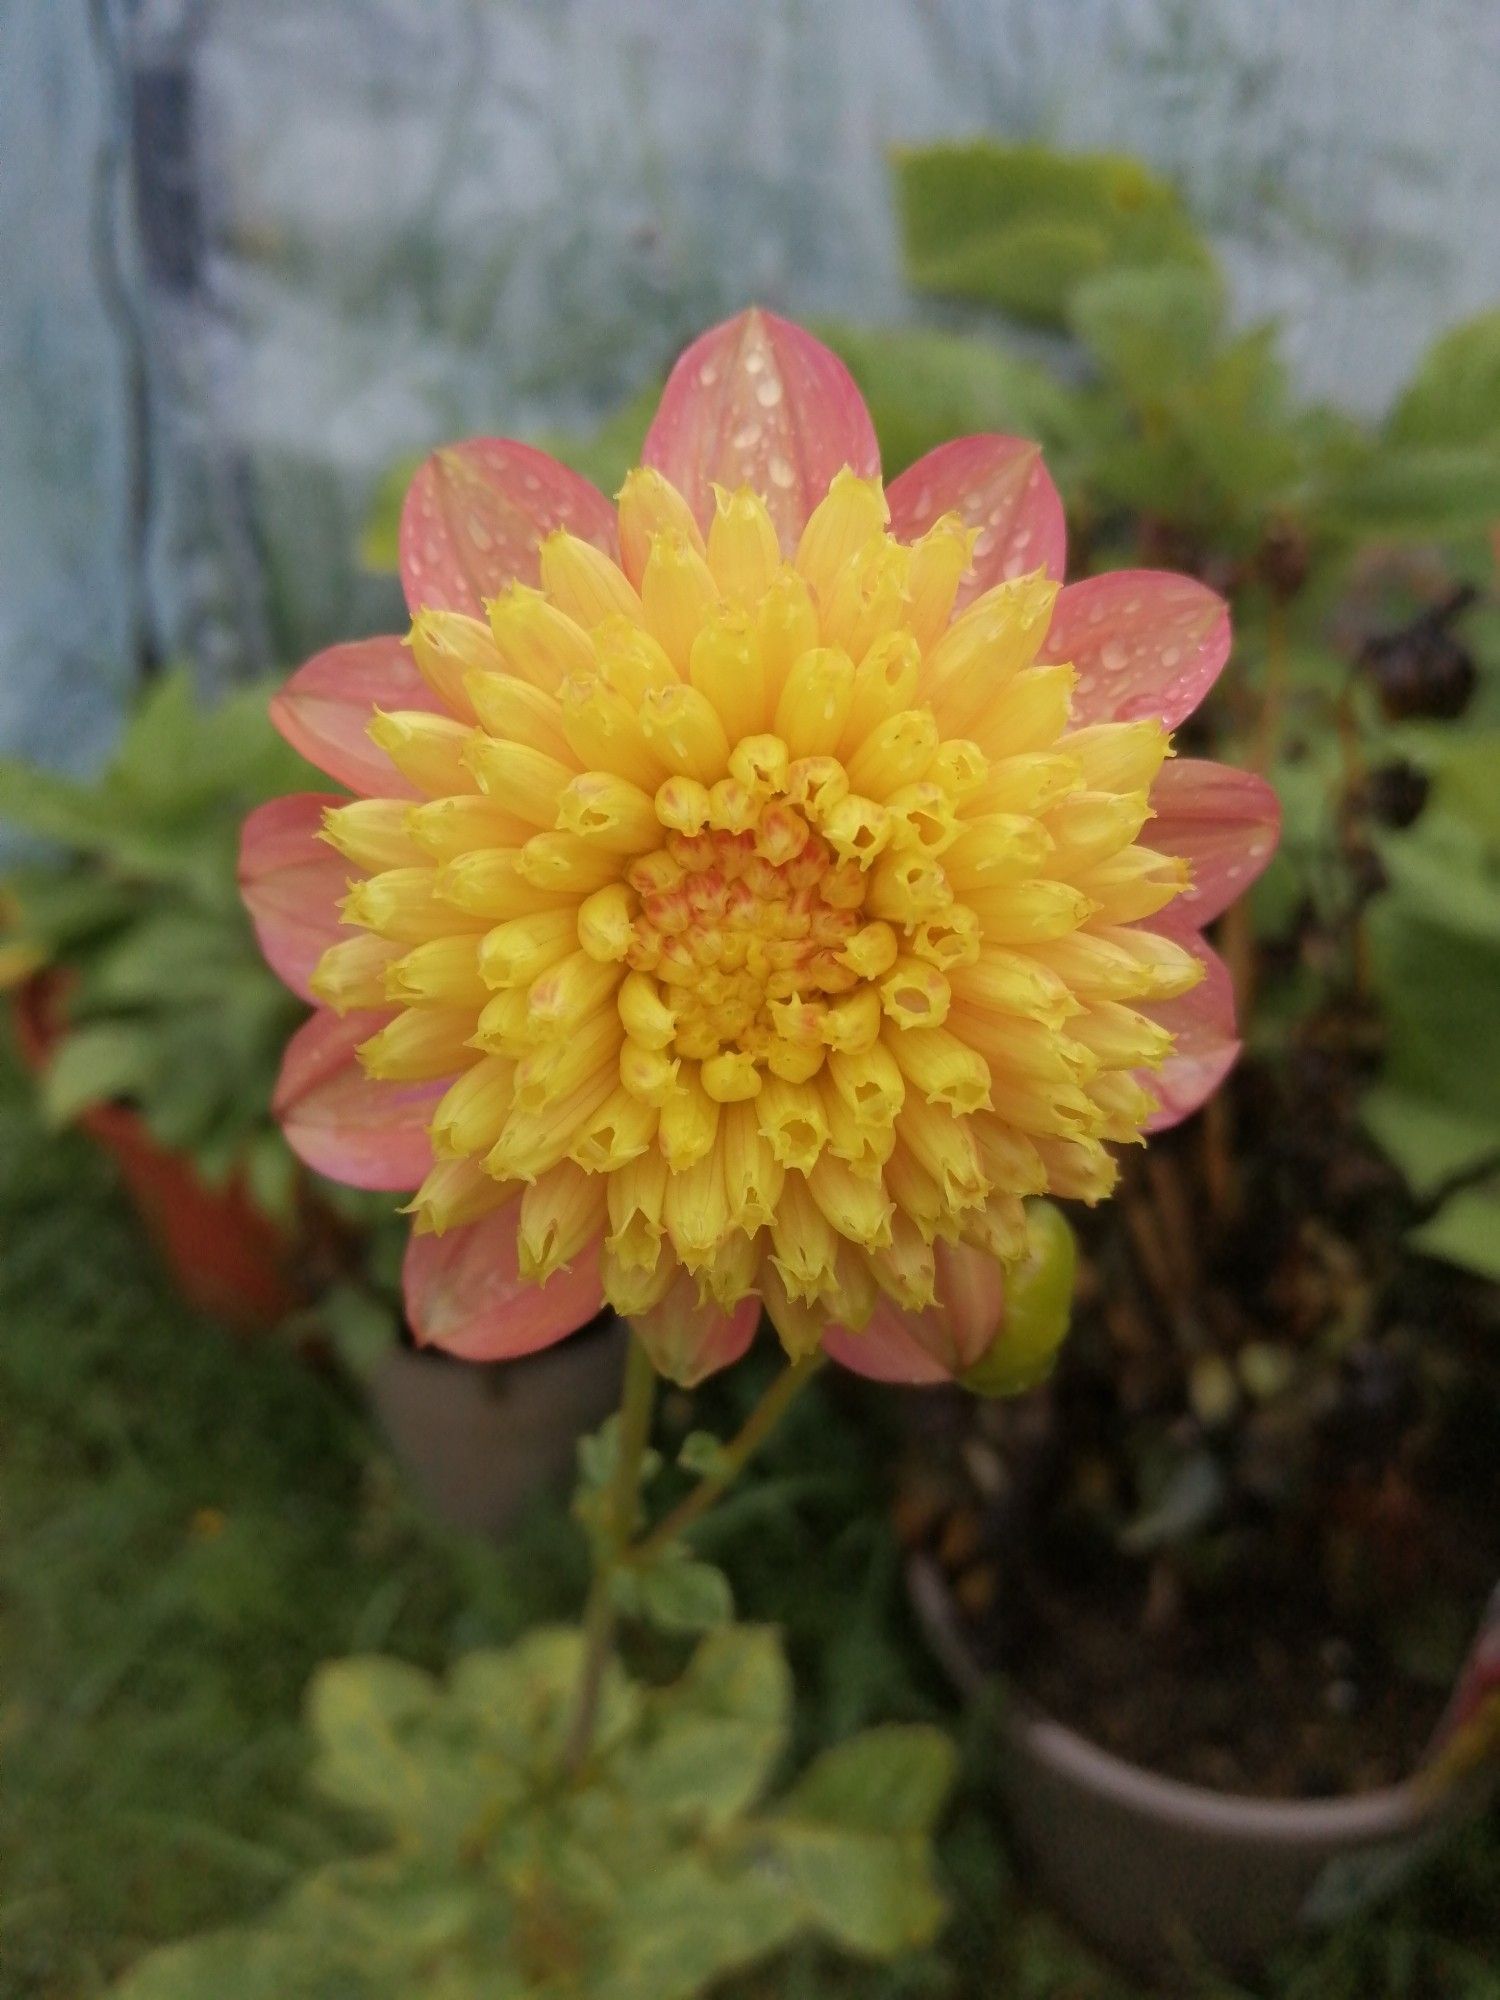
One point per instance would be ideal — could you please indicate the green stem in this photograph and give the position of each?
(751, 1435)
(621, 1498)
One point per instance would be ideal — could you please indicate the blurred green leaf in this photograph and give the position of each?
(925, 387)
(682, 1595)
(1415, 490)
(1454, 398)
(98, 1064)
(1019, 227)
(641, 1877)
(853, 1833)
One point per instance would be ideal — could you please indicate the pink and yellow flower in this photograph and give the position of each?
(752, 892)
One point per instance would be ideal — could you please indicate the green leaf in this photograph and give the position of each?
(891, 1780)
(98, 1065)
(854, 1835)
(521, 1700)
(682, 1595)
(1454, 398)
(925, 387)
(685, 1927)
(1416, 490)
(701, 1453)
(1020, 227)
(1151, 328)
(365, 1715)
(1466, 1230)
(714, 1735)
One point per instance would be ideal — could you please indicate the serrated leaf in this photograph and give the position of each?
(714, 1736)
(521, 1700)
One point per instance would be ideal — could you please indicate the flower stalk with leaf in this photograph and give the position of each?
(753, 897)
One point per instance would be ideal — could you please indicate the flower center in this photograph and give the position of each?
(746, 932)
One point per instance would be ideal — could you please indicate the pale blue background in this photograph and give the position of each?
(356, 226)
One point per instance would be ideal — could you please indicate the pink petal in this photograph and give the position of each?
(757, 402)
(919, 1348)
(1145, 643)
(343, 1123)
(464, 1292)
(687, 1341)
(885, 1350)
(1206, 1045)
(1224, 821)
(292, 883)
(325, 709)
(475, 514)
(998, 485)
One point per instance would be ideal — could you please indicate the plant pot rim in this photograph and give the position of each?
(1354, 1818)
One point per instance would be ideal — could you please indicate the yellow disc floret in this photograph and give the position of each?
(770, 920)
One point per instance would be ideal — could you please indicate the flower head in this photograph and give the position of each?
(753, 892)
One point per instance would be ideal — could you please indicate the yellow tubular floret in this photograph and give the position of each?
(765, 920)
(428, 750)
(650, 506)
(448, 646)
(561, 1213)
(583, 583)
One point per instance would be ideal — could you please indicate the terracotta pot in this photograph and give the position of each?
(1156, 1872)
(226, 1257)
(479, 1441)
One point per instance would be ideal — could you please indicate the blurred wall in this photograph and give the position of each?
(267, 246)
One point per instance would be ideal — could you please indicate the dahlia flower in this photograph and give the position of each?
(754, 891)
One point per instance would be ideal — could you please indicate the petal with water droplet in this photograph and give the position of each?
(1146, 643)
(475, 515)
(757, 402)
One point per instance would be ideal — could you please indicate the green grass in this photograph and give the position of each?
(189, 1524)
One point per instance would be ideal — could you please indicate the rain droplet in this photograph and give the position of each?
(1113, 656)
(768, 393)
(780, 470)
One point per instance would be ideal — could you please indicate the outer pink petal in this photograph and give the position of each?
(1145, 643)
(757, 402)
(1000, 486)
(343, 1123)
(326, 707)
(465, 1293)
(292, 883)
(475, 514)
(899, 1345)
(1206, 1046)
(1226, 822)
(687, 1341)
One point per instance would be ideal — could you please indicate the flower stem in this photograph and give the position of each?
(751, 1435)
(615, 1530)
